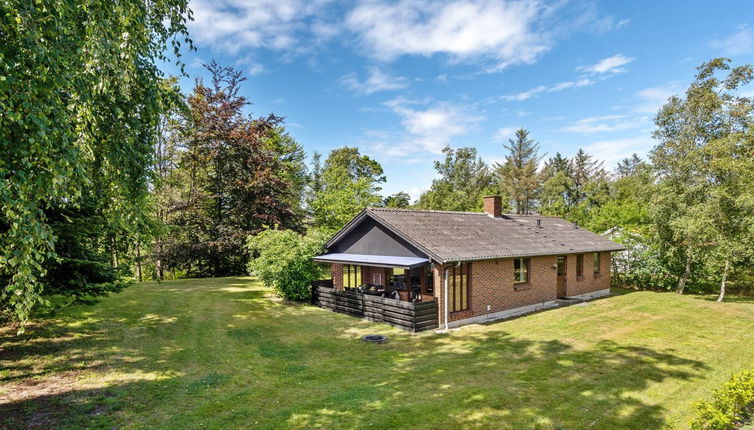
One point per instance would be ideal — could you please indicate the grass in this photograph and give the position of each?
(223, 353)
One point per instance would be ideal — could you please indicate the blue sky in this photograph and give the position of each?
(402, 79)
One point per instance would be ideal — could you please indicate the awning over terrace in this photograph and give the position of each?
(372, 260)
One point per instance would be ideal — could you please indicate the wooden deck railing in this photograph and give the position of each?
(411, 316)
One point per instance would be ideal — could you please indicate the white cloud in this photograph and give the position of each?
(253, 67)
(377, 81)
(609, 65)
(492, 33)
(232, 25)
(504, 133)
(739, 43)
(426, 128)
(416, 192)
(614, 150)
(653, 98)
(432, 126)
(506, 32)
(605, 123)
(533, 92)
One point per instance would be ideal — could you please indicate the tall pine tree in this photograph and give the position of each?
(519, 176)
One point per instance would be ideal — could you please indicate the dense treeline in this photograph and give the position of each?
(198, 187)
(685, 212)
(224, 176)
(81, 96)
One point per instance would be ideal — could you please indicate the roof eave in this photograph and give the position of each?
(535, 254)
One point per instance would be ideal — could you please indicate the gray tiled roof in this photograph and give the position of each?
(457, 236)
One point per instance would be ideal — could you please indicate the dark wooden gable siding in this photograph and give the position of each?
(372, 238)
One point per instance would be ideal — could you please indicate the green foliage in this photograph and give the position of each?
(81, 96)
(291, 156)
(626, 206)
(464, 180)
(518, 176)
(82, 268)
(557, 183)
(346, 184)
(228, 176)
(640, 265)
(574, 188)
(732, 405)
(398, 200)
(80, 280)
(702, 205)
(282, 259)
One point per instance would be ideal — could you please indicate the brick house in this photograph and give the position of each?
(475, 266)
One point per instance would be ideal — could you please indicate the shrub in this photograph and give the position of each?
(80, 280)
(282, 259)
(732, 406)
(643, 266)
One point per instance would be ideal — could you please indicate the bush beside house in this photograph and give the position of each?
(282, 259)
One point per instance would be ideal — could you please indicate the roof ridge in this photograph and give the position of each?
(507, 215)
(380, 209)
(533, 216)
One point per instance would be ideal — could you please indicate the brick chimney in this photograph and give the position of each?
(493, 206)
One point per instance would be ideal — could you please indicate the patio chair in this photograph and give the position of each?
(416, 294)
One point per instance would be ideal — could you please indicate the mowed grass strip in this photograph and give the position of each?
(224, 353)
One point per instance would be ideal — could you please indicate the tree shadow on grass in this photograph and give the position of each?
(493, 380)
(90, 359)
(729, 298)
(306, 373)
(93, 407)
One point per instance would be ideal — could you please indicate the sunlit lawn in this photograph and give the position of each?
(223, 353)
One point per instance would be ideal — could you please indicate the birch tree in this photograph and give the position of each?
(80, 101)
(699, 209)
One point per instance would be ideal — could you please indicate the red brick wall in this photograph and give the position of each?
(493, 205)
(589, 282)
(492, 283)
(337, 276)
(367, 273)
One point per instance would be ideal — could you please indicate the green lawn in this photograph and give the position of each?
(223, 353)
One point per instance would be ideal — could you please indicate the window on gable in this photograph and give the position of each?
(521, 270)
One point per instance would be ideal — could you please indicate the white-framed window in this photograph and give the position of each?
(521, 270)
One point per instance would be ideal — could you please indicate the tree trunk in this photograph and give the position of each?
(138, 262)
(725, 279)
(685, 276)
(113, 260)
(115, 253)
(158, 261)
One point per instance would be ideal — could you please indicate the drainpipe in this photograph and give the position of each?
(445, 296)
